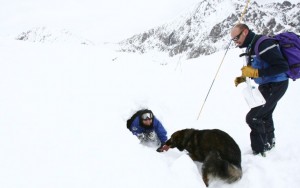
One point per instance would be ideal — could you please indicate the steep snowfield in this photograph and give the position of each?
(64, 106)
(63, 110)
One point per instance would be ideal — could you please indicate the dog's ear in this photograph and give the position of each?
(187, 133)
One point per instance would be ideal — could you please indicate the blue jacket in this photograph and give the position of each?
(260, 64)
(271, 64)
(137, 128)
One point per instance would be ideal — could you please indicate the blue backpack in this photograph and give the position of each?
(289, 44)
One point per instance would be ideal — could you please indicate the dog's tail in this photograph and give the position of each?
(215, 167)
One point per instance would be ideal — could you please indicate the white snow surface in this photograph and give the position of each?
(64, 108)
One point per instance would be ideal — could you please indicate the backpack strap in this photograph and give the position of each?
(258, 42)
(129, 121)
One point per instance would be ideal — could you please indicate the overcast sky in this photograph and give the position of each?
(100, 20)
(108, 20)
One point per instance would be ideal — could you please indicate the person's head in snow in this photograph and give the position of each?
(147, 128)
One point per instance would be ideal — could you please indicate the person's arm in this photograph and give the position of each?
(160, 131)
(269, 52)
(135, 127)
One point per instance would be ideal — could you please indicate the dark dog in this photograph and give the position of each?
(220, 154)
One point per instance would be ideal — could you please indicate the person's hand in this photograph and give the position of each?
(163, 148)
(160, 149)
(248, 71)
(239, 80)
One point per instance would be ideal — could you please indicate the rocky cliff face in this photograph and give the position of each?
(206, 29)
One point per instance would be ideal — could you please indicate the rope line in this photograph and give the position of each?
(244, 11)
(241, 18)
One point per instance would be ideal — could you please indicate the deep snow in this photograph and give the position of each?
(64, 110)
(64, 106)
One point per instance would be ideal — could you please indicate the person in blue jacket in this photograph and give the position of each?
(269, 72)
(147, 128)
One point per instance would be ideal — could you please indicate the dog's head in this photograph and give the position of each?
(179, 139)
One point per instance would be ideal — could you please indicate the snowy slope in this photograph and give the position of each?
(64, 107)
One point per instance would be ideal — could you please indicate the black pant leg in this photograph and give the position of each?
(260, 119)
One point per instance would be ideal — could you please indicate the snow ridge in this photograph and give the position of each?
(47, 35)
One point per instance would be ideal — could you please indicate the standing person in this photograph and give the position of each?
(147, 128)
(268, 71)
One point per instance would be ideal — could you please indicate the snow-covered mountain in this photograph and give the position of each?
(206, 29)
(50, 35)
